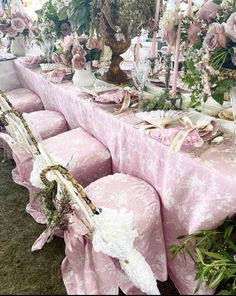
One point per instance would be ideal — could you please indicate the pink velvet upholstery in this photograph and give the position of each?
(46, 124)
(24, 100)
(86, 272)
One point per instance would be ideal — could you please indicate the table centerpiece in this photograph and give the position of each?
(110, 22)
(14, 25)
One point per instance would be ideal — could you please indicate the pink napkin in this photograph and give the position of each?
(166, 136)
(188, 136)
(57, 75)
(31, 60)
(116, 96)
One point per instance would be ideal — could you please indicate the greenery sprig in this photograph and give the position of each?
(55, 215)
(214, 254)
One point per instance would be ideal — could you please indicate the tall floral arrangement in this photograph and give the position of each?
(13, 19)
(122, 16)
(75, 52)
(48, 23)
(209, 43)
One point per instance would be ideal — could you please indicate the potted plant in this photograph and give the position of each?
(48, 27)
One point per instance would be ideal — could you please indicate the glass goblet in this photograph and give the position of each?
(140, 75)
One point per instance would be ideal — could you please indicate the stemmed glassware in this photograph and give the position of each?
(47, 46)
(140, 75)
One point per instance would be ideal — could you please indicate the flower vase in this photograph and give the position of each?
(18, 46)
(84, 77)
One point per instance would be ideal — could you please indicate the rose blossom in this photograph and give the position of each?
(11, 32)
(230, 27)
(65, 29)
(95, 43)
(78, 50)
(169, 22)
(208, 11)
(65, 61)
(215, 37)
(78, 62)
(67, 42)
(193, 31)
(18, 25)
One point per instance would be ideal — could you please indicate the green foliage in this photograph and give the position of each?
(55, 215)
(79, 15)
(162, 101)
(213, 252)
(220, 87)
(220, 56)
(192, 78)
(93, 54)
(49, 21)
(85, 16)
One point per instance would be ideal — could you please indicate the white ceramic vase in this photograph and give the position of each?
(18, 46)
(84, 77)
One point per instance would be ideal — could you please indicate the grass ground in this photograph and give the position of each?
(21, 271)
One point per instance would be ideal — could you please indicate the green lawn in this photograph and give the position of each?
(21, 271)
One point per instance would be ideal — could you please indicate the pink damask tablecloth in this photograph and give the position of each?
(196, 193)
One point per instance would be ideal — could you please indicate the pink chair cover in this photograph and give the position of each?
(86, 272)
(87, 159)
(24, 100)
(46, 124)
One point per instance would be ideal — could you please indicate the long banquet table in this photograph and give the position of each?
(196, 193)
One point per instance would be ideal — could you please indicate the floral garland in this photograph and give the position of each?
(209, 43)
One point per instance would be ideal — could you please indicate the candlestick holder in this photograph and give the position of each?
(168, 71)
(154, 73)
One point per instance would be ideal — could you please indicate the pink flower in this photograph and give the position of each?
(78, 62)
(78, 50)
(230, 27)
(65, 61)
(31, 60)
(11, 32)
(67, 43)
(55, 58)
(169, 34)
(95, 43)
(208, 11)
(65, 29)
(18, 24)
(4, 28)
(215, 37)
(193, 32)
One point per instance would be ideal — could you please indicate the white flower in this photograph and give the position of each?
(170, 16)
(107, 54)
